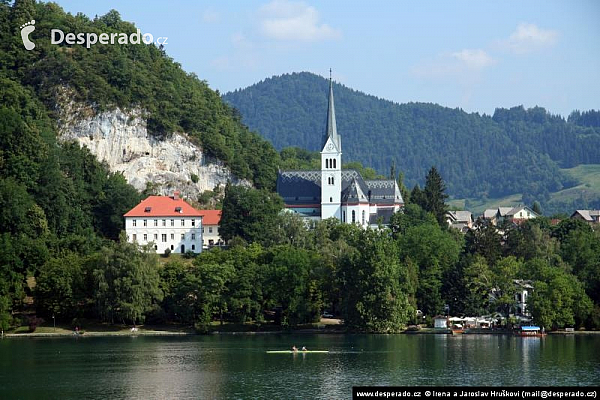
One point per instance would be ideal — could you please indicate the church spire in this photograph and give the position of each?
(331, 131)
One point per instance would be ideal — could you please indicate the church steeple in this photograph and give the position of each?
(331, 130)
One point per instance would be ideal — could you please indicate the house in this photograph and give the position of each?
(520, 214)
(515, 215)
(589, 216)
(461, 220)
(166, 222)
(332, 192)
(523, 289)
(210, 228)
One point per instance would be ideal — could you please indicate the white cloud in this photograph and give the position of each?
(294, 21)
(528, 38)
(460, 64)
(474, 59)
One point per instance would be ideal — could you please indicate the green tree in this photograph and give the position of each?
(376, 286)
(291, 283)
(436, 253)
(60, 287)
(126, 282)
(251, 214)
(505, 271)
(558, 299)
(435, 196)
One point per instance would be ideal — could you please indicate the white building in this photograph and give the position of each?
(332, 192)
(167, 222)
(210, 228)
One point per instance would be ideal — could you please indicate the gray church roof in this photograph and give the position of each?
(304, 187)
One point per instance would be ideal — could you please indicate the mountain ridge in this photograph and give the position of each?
(515, 150)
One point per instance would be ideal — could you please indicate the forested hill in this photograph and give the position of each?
(479, 156)
(128, 76)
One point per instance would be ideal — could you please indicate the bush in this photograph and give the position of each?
(189, 254)
(194, 178)
(167, 253)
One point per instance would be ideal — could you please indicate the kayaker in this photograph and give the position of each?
(304, 348)
(294, 348)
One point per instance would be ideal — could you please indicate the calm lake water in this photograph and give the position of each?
(237, 366)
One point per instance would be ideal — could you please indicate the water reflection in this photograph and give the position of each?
(216, 367)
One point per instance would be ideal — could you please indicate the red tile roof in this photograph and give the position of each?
(163, 206)
(210, 217)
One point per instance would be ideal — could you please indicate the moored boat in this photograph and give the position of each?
(530, 331)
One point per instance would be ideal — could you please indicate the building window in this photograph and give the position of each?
(182, 236)
(193, 222)
(145, 237)
(171, 247)
(172, 222)
(331, 199)
(135, 222)
(363, 217)
(193, 247)
(134, 237)
(164, 238)
(327, 163)
(164, 222)
(155, 222)
(193, 236)
(334, 163)
(145, 223)
(353, 216)
(210, 229)
(155, 247)
(343, 216)
(172, 237)
(203, 231)
(183, 222)
(156, 236)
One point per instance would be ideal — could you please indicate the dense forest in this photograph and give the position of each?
(278, 273)
(516, 150)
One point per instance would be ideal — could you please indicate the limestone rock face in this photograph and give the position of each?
(120, 138)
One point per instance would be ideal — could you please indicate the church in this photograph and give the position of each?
(333, 192)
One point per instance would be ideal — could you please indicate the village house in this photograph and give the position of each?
(210, 228)
(332, 192)
(168, 223)
(589, 216)
(461, 220)
(511, 214)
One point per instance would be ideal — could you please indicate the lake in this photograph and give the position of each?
(237, 366)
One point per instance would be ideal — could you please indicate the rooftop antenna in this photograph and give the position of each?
(329, 74)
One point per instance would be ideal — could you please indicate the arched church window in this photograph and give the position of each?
(353, 216)
(334, 163)
(327, 163)
(331, 199)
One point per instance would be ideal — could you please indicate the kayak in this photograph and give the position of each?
(299, 351)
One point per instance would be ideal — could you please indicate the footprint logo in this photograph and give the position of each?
(26, 29)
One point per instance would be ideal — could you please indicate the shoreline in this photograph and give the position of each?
(279, 332)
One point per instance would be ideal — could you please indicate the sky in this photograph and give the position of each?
(475, 55)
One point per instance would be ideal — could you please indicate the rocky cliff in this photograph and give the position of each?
(120, 138)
